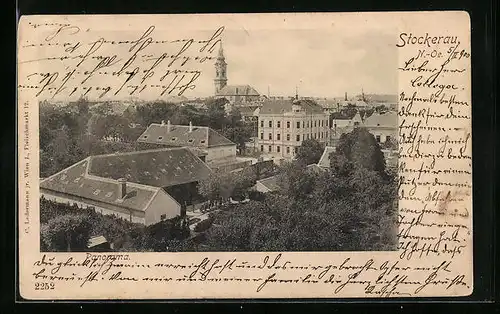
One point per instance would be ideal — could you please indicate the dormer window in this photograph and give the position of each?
(190, 140)
(144, 136)
(160, 138)
(96, 192)
(174, 139)
(109, 194)
(202, 141)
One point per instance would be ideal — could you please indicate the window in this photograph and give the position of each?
(307, 136)
(298, 137)
(303, 124)
(356, 123)
(303, 137)
(288, 137)
(295, 149)
(270, 124)
(190, 140)
(288, 124)
(387, 138)
(261, 148)
(270, 136)
(270, 148)
(77, 179)
(163, 217)
(278, 149)
(262, 123)
(308, 124)
(96, 192)
(378, 138)
(288, 150)
(298, 124)
(174, 138)
(160, 138)
(261, 136)
(109, 194)
(315, 123)
(202, 141)
(145, 136)
(278, 136)
(279, 124)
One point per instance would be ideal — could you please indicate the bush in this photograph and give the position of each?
(204, 225)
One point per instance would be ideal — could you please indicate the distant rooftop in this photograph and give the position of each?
(388, 119)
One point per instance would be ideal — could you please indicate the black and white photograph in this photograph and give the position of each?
(283, 140)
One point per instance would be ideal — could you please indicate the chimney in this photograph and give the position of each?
(168, 126)
(345, 96)
(190, 127)
(122, 188)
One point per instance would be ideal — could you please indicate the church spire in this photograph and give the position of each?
(221, 51)
(220, 80)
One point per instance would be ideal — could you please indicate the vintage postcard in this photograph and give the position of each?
(304, 155)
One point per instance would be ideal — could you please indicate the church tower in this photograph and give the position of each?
(220, 71)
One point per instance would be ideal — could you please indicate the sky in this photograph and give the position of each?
(320, 62)
(323, 55)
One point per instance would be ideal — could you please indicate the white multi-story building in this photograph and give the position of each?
(284, 124)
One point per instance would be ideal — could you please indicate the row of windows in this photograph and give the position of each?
(305, 124)
(318, 135)
(278, 149)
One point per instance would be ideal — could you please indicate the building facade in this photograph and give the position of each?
(284, 124)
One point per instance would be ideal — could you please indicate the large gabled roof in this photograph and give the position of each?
(75, 181)
(147, 172)
(159, 167)
(180, 135)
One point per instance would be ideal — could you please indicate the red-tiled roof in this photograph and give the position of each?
(179, 135)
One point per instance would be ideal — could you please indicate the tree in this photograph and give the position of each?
(310, 152)
(216, 113)
(359, 148)
(295, 181)
(68, 232)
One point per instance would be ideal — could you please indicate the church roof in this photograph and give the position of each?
(179, 135)
(238, 90)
